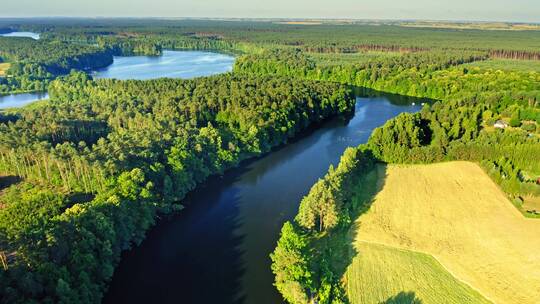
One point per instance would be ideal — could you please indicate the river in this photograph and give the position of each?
(217, 249)
(172, 64)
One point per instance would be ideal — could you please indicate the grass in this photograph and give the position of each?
(455, 213)
(507, 65)
(3, 68)
(379, 273)
(331, 59)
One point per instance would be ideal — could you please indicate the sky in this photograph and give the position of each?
(462, 10)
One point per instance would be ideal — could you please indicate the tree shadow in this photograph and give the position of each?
(8, 181)
(403, 297)
(338, 247)
(194, 255)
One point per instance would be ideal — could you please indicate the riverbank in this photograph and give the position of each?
(233, 221)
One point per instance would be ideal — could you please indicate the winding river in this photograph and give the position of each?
(217, 249)
(172, 64)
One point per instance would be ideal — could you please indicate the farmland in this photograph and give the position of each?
(381, 272)
(455, 213)
(3, 69)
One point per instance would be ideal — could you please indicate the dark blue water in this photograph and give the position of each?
(217, 249)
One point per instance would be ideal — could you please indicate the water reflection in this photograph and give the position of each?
(217, 249)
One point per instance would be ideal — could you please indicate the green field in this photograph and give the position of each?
(383, 274)
(507, 65)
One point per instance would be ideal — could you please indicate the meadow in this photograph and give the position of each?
(454, 212)
(383, 274)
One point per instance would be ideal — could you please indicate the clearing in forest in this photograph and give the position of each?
(455, 213)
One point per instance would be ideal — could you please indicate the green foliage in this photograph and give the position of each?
(290, 264)
(326, 208)
(102, 158)
(34, 63)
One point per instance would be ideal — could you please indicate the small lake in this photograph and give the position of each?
(20, 100)
(172, 64)
(22, 34)
(217, 249)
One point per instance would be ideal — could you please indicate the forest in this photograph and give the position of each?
(104, 157)
(458, 126)
(85, 175)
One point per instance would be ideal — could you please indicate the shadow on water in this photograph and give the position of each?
(395, 99)
(217, 249)
(192, 257)
(403, 298)
(7, 181)
(198, 255)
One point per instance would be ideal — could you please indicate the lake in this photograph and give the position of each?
(20, 100)
(22, 34)
(217, 249)
(172, 64)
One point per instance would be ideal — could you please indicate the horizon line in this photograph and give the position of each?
(262, 19)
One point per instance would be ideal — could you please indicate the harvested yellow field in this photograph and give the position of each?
(3, 68)
(454, 212)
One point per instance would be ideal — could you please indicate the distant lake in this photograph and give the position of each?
(20, 100)
(22, 34)
(172, 64)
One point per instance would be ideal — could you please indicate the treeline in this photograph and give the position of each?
(123, 43)
(312, 253)
(362, 48)
(458, 127)
(515, 54)
(303, 262)
(104, 157)
(406, 74)
(34, 63)
(54, 56)
(325, 35)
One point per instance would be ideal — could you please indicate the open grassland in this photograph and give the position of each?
(3, 68)
(382, 274)
(507, 65)
(454, 212)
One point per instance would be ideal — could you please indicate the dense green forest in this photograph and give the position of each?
(84, 175)
(89, 44)
(459, 126)
(102, 158)
(34, 63)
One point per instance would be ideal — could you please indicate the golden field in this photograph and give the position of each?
(455, 213)
(3, 68)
